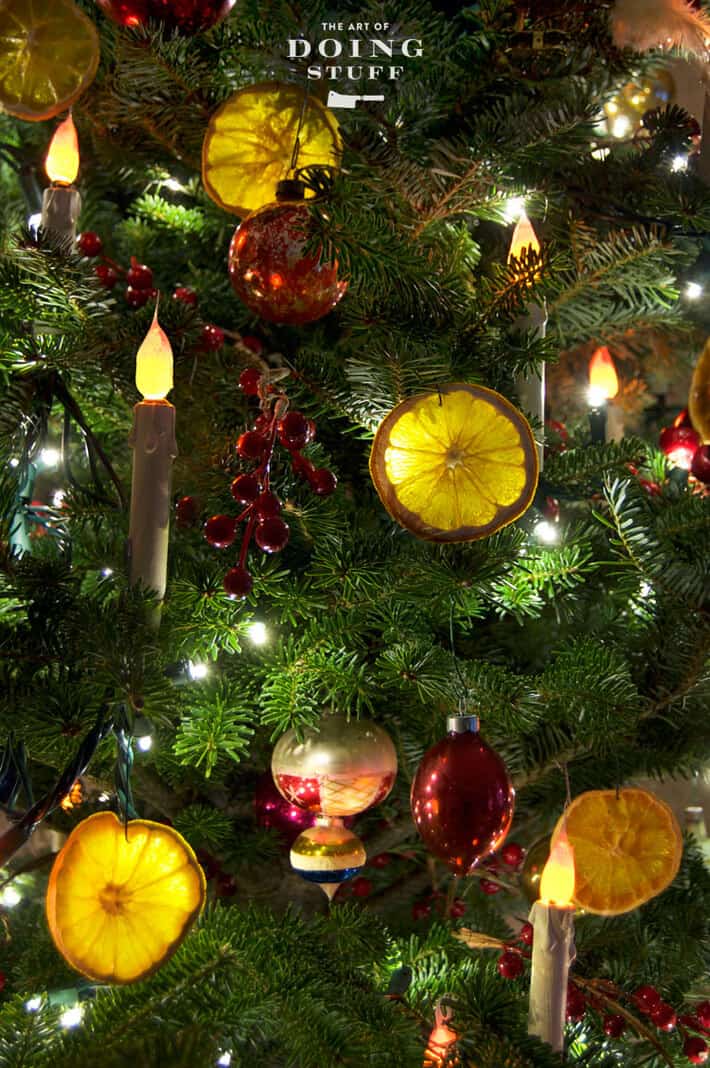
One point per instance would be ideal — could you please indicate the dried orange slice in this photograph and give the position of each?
(249, 144)
(49, 52)
(455, 465)
(121, 899)
(699, 396)
(627, 848)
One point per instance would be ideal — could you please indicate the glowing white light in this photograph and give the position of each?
(257, 633)
(225, 1060)
(33, 1004)
(645, 590)
(547, 532)
(621, 126)
(172, 183)
(72, 1017)
(107, 572)
(50, 457)
(145, 742)
(600, 153)
(513, 209)
(197, 670)
(679, 163)
(58, 498)
(14, 462)
(11, 897)
(34, 222)
(104, 797)
(693, 291)
(596, 396)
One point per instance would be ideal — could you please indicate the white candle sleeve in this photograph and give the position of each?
(553, 953)
(61, 205)
(154, 449)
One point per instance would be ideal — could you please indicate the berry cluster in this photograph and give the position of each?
(511, 856)
(139, 285)
(681, 443)
(262, 507)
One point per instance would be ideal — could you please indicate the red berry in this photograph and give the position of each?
(696, 1050)
(249, 381)
(361, 887)
(302, 467)
(323, 482)
(186, 511)
(687, 1020)
(220, 531)
(512, 854)
(702, 1011)
(652, 488)
(380, 861)
(136, 298)
(254, 344)
(614, 1025)
(106, 275)
(237, 582)
(576, 1004)
(267, 504)
(251, 445)
(526, 934)
(510, 965)
(490, 888)
(679, 443)
(700, 467)
(647, 999)
(245, 488)
(89, 243)
(664, 1017)
(293, 430)
(272, 534)
(420, 910)
(551, 509)
(3, 980)
(457, 909)
(185, 295)
(139, 275)
(262, 423)
(212, 337)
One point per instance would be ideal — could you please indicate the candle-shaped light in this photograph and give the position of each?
(530, 386)
(606, 423)
(154, 449)
(61, 202)
(552, 918)
(441, 1039)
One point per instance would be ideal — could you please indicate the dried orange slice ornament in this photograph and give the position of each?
(627, 848)
(49, 52)
(250, 139)
(121, 899)
(455, 465)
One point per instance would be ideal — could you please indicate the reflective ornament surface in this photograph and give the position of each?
(340, 770)
(462, 798)
(328, 854)
(186, 16)
(274, 813)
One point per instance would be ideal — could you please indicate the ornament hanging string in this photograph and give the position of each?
(564, 770)
(465, 689)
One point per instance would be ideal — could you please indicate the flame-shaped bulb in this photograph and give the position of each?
(154, 363)
(557, 882)
(62, 163)
(603, 379)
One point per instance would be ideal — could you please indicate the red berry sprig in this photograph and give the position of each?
(261, 506)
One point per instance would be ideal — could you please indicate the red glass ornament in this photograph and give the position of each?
(664, 1017)
(251, 445)
(237, 583)
(614, 1025)
(245, 488)
(512, 854)
(220, 531)
(527, 933)
(106, 275)
(301, 467)
(249, 381)
(702, 1011)
(139, 275)
(89, 243)
(510, 965)
(186, 511)
(421, 910)
(136, 298)
(267, 504)
(576, 1004)
(462, 798)
(490, 888)
(647, 999)
(186, 295)
(253, 344)
(696, 1050)
(271, 273)
(293, 431)
(679, 443)
(381, 860)
(186, 16)
(272, 535)
(458, 909)
(212, 337)
(700, 467)
(361, 887)
(323, 482)
(274, 813)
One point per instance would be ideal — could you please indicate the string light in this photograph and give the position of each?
(104, 797)
(107, 572)
(225, 1060)
(197, 670)
(546, 532)
(596, 396)
(513, 209)
(679, 163)
(693, 291)
(257, 633)
(621, 126)
(33, 1004)
(11, 897)
(14, 462)
(145, 742)
(72, 1017)
(34, 222)
(50, 457)
(58, 498)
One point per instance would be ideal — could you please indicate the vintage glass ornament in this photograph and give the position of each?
(327, 854)
(186, 16)
(341, 769)
(269, 269)
(274, 813)
(462, 798)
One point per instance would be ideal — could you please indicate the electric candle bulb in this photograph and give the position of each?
(62, 163)
(530, 385)
(603, 379)
(154, 363)
(557, 881)
(524, 237)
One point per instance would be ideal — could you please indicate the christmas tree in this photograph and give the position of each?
(357, 490)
